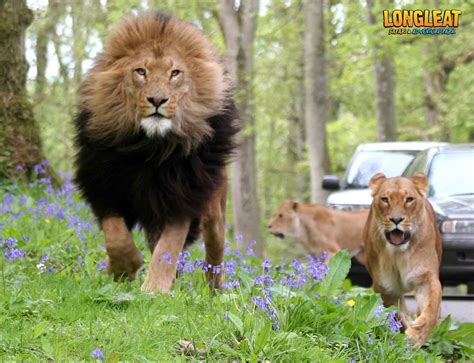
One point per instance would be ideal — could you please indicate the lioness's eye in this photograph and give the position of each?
(410, 199)
(140, 71)
(385, 200)
(175, 72)
(280, 215)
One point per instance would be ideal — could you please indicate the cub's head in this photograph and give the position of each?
(285, 221)
(397, 205)
(158, 74)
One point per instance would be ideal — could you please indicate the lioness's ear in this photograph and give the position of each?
(294, 205)
(421, 183)
(376, 181)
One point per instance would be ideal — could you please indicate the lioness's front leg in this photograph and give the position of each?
(428, 297)
(162, 269)
(213, 229)
(123, 257)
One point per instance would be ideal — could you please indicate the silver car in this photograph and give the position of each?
(390, 158)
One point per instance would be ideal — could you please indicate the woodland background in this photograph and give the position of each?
(314, 79)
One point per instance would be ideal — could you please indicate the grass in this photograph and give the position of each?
(57, 303)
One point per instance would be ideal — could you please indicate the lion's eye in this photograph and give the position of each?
(385, 200)
(410, 199)
(175, 72)
(280, 215)
(140, 71)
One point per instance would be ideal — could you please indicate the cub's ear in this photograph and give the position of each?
(421, 183)
(294, 205)
(376, 181)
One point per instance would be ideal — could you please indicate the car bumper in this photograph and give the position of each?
(457, 264)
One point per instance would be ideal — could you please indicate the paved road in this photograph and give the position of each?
(461, 308)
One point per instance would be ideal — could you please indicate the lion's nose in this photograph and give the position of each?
(397, 220)
(157, 101)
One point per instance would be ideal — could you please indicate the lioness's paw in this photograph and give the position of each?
(415, 336)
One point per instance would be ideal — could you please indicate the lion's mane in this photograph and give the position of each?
(153, 181)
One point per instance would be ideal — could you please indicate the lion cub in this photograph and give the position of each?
(403, 249)
(319, 228)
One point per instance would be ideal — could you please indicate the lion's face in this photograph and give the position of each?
(160, 84)
(285, 222)
(157, 74)
(397, 204)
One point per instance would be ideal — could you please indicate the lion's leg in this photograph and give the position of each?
(428, 297)
(162, 269)
(213, 229)
(123, 257)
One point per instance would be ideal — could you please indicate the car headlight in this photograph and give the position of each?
(458, 226)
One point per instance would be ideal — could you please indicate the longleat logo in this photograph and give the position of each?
(421, 22)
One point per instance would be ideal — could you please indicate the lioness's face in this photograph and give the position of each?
(160, 84)
(285, 221)
(397, 203)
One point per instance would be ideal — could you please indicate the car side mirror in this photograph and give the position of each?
(331, 182)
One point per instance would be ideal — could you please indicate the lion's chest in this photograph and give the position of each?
(393, 272)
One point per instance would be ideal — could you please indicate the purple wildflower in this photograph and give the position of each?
(226, 315)
(250, 252)
(263, 303)
(20, 167)
(266, 265)
(370, 341)
(276, 325)
(230, 266)
(379, 311)
(14, 253)
(393, 323)
(318, 269)
(101, 266)
(80, 260)
(97, 353)
(44, 258)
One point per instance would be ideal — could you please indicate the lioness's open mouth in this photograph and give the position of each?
(397, 237)
(278, 235)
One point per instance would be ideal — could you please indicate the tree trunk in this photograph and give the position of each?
(238, 24)
(19, 133)
(436, 79)
(384, 88)
(315, 95)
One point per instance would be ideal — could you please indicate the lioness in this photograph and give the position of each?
(403, 249)
(319, 228)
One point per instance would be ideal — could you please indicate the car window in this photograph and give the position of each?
(452, 174)
(418, 165)
(367, 163)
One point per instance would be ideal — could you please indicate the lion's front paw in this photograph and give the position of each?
(124, 266)
(416, 336)
(152, 285)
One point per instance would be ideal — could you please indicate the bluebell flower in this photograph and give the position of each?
(393, 322)
(97, 353)
(266, 265)
(226, 315)
(101, 266)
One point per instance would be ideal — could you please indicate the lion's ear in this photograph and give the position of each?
(376, 181)
(294, 205)
(421, 183)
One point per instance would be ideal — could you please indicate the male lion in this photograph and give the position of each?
(319, 228)
(154, 133)
(403, 249)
